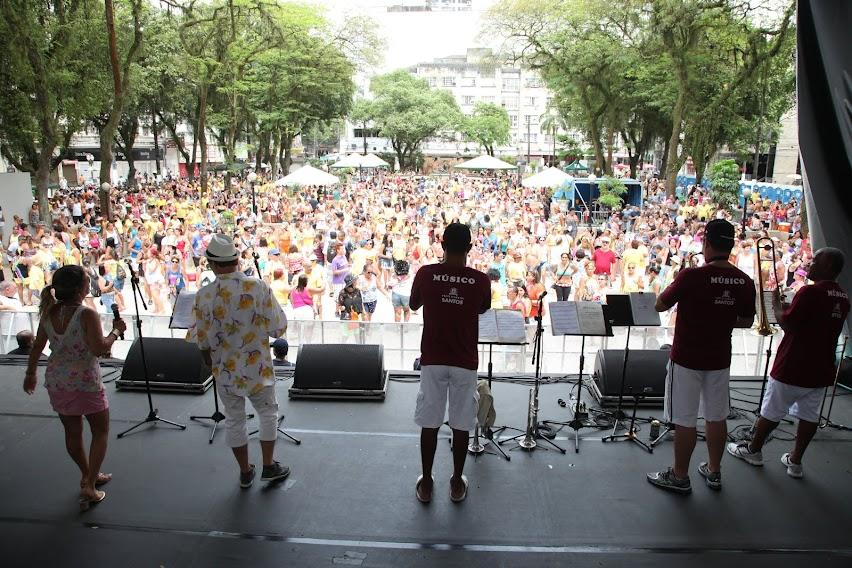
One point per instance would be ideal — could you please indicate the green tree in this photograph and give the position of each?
(46, 51)
(611, 191)
(488, 125)
(725, 184)
(407, 112)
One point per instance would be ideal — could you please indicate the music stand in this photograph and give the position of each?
(583, 319)
(825, 421)
(622, 311)
(496, 327)
(153, 413)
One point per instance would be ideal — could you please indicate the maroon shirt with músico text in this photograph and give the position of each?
(709, 300)
(812, 324)
(452, 299)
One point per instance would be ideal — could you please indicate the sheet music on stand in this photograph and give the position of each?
(767, 303)
(578, 318)
(636, 308)
(502, 327)
(182, 317)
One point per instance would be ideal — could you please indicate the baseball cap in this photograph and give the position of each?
(720, 234)
(313, 257)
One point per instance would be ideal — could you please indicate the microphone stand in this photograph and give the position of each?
(153, 416)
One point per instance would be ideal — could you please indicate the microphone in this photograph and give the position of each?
(117, 317)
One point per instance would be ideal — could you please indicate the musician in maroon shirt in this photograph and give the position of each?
(805, 363)
(453, 296)
(711, 301)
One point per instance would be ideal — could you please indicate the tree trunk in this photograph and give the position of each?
(276, 152)
(156, 141)
(673, 158)
(287, 146)
(202, 136)
(610, 141)
(42, 175)
(665, 160)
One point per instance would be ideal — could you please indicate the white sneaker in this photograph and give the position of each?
(794, 470)
(740, 450)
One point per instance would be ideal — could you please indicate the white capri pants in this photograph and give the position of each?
(265, 406)
(801, 402)
(436, 382)
(691, 393)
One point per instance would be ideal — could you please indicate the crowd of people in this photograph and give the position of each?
(352, 251)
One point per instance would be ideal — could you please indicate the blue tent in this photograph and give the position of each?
(589, 191)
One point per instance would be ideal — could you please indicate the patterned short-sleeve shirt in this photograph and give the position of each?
(234, 318)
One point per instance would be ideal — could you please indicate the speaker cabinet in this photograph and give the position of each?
(340, 371)
(174, 365)
(646, 375)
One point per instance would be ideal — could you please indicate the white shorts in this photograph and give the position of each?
(691, 393)
(780, 399)
(435, 382)
(265, 405)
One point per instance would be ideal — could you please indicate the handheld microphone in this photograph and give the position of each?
(117, 317)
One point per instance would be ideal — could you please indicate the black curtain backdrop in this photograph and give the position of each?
(825, 123)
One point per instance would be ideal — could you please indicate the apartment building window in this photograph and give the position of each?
(488, 99)
(448, 81)
(511, 103)
(513, 120)
(530, 119)
(530, 101)
(533, 83)
(511, 84)
(532, 138)
(467, 100)
(468, 81)
(433, 81)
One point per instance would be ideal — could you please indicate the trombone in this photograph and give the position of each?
(763, 324)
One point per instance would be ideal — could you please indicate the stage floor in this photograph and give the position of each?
(175, 501)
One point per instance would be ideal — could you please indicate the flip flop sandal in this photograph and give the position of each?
(86, 503)
(103, 479)
(463, 495)
(417, 490)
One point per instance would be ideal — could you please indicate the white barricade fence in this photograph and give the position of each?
(401, 342)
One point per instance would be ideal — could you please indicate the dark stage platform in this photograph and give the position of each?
(350, 501)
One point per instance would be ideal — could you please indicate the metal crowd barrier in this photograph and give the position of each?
(401, 342)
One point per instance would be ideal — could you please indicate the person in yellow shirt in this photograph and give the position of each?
(357, 259)
(515, 268)
(280, 287)
(498, 291)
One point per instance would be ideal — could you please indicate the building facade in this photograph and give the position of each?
(474, 78)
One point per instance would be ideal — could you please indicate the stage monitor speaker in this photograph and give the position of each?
(340, 371)
(646, 375)
(174, 365)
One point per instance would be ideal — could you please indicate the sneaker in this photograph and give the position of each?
(247, 478)
(740, 450)
(794, 470)
(274, 472)
(713, 479)
(666, 480)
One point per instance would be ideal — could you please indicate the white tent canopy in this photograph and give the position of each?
(485, 162)
(373, 161)
(308, 175)
(359, 161)
(350, 161)
(551, 177)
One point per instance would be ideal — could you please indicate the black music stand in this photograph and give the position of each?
(825, 421)
(153, 413)
(581, 319)
(516, 337)
(623, 312)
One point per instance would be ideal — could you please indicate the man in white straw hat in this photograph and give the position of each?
(234, 318)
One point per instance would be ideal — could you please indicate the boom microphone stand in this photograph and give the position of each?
(153, 416)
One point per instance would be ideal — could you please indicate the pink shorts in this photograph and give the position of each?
(78, 403)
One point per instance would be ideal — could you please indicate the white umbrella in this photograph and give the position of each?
(373, 161)
(350, 161)
(551, 177)
(485, 162)
(308, 175)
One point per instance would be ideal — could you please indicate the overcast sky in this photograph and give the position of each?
(414, 37)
